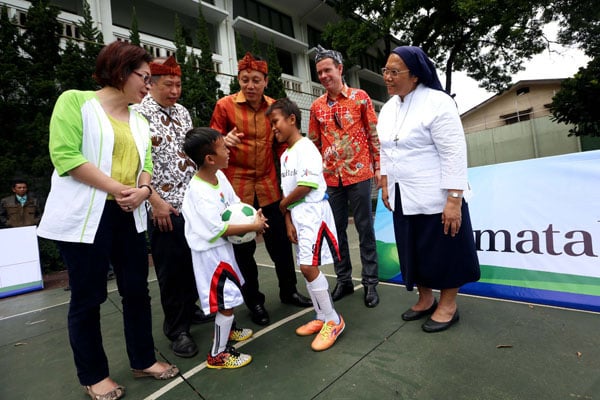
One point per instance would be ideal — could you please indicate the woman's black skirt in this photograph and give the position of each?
(428, 257)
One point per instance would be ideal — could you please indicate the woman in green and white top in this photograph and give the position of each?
(101, 153)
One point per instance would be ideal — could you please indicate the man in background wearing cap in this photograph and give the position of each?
(252, 171)
(171, 254)
(342, 126)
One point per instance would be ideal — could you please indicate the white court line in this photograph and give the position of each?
(202, 366)
(333, 276)
(52, 306)
(256, 335)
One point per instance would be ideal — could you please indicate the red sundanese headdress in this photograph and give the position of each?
(169, 67)
(249, 62)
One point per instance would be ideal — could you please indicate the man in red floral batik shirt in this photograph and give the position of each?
(342, 126)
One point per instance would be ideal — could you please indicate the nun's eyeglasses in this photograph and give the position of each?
(393, 72)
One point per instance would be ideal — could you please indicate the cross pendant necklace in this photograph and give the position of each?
(396, 138)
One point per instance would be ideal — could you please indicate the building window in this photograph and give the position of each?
(22, 18)
(522, 91)
(369, 62)
(375, 91)
(285, 58)
(314, 36)
(513, 118)
(263, 15)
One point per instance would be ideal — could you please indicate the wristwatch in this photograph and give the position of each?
(455, 195)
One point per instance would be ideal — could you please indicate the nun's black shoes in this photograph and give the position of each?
(412, 315)
(431, 326)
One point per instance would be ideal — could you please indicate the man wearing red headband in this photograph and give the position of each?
(240, 117)
(169, 122)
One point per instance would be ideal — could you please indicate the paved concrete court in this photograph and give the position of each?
(498, 350)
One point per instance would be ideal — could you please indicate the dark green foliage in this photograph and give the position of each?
(134, 33)
(73, 72)
(41, 44)
(11, 71)
(79, 58)
(578, 101)
(210, 89)
(31, 119)
(275, 88)
(487, 39)
(580, 24)
(50, 258)
(200, 88)
(28, 97)
(234, 85)
(12, 93)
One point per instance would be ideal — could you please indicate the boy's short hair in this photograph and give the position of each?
(200, 142)
(287, 107)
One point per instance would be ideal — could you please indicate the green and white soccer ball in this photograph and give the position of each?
(237, 214)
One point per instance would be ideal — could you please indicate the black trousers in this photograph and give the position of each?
(173, 264)
(116, 242)
(279, 249)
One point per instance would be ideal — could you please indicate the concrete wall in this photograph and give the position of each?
(539, 137)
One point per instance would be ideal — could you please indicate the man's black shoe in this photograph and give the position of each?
(259, 315)
(371, 296)
(184, 346)
(200, 318)
(341, 290)
(297, 299)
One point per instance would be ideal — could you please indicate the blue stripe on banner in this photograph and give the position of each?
(526, 295)
(538, 296)
(7, 292)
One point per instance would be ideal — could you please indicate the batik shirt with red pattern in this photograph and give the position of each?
(344, 132)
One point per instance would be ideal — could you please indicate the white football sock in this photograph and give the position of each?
(223, 325)
(316, 304)
(320, 289)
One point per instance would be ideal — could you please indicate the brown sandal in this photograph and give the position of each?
(114, 394)
(168, 373)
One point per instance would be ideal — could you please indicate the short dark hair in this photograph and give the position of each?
(200, 142)
(287, 107)
(16, 181)
(117, 61)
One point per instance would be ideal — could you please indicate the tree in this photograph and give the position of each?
(580, 24)
(578, 100)
(275, 88)
(210, 87)
(201, 89)
(488, 39)
(72, 71)
(79, 57)
(11, 95)
(41, 46)
(134, 33)
(234, 85)
(93, 41)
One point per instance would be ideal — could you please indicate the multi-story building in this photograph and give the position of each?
(294, 27)
(510, 126)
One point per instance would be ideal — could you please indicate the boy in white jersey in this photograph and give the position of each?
(218, 277)
(309, 220)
